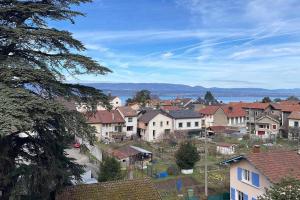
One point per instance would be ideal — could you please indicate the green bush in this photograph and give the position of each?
(110, 170)
(186, 156)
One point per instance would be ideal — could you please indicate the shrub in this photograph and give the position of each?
(186, 156)
(110, 170)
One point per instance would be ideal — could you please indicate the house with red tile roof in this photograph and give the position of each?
(130, 117)
(108, 124)
(251, 174)
(213, 116)
(267, 126)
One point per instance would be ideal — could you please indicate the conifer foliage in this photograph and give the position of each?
(34, 128)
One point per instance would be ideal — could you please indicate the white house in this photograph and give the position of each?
(130, 117)
(186, 119)
(225, 148)
(153, 124)
(294, 124)
(108, 124)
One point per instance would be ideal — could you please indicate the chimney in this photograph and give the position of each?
(256, 149)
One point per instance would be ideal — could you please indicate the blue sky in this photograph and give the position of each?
(212, 43)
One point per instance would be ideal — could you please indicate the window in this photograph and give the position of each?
(167, 122)
(153, 123)
(129, 119)
(161, 124)
(153, 133)
(180, 125)
(268, 127)
(241, 196)
(274, 126)
(188, 124)
(246, 175)
(129, 128)
(196, 124)
(261, 126)
(296, 124)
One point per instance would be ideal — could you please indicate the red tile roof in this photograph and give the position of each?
(222, 144)
(105, 117)
(233, 110)
(127, 111)
(256, 105)
(209, 110)
(287, 107)
(276, 165)
(170, 108)
(294, 115)
(124, 152)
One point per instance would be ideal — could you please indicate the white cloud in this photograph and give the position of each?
(167, 55)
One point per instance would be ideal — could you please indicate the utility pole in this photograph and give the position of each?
(205, 170)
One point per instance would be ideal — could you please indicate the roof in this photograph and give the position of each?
(135, 189)
(124, 152)
(127, 111)
(105, 117)
(170, 108)
(275, 165)
(294, 115)
(112, 97)
(286, 107)
(209, 110)
(256, 105)
(223, 144)
(150, 114)
(234, 110)
(274, 118)
(141, 150)
(184, 114)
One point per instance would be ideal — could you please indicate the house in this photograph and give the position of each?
(226, 148)
(108, 124)
(267, 126)
(132, 155)
(114, 101)
(236, 115)
(251, 174)
(294, 122)
(188, 120)
(135, 189)
(213, 116)
(154, 124)
(135, 106)
(182, 102)
(130, 116)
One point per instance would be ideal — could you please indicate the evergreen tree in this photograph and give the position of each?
(110, 170)
(292, 98)
(142, 97)
(209, 98)
(187, 156)
(266, 100)
(34, 128)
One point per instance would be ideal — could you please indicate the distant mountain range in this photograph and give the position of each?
(166, 89)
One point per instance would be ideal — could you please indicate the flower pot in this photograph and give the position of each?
(187, 171)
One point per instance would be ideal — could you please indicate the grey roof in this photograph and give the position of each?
(149, 115)
(184, 114)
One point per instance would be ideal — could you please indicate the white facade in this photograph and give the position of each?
(294, 123)
(187, 124)
(226, 150)
(156, 128)
(237, 121)
(130, 126)
(209, 120)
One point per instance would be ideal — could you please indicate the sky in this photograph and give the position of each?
(210, 43)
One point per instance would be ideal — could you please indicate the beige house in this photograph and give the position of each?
(153, 125)
(267, 126)
(108, 124)
(226, 148)
(214, 116)
(250, 175)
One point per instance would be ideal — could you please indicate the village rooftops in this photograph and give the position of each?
(275, 165)
(127, 111)
(150, 114)
(256, 105)
(136, 189)
(184, 114)
(209, 110)
(104, 117)
(234, 111)
(294, 115)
